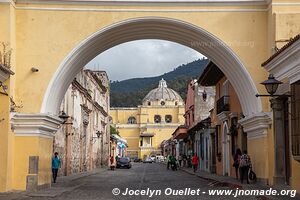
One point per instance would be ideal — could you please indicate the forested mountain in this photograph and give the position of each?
(130, 93)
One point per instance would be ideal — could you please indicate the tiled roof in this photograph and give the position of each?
(290, 43)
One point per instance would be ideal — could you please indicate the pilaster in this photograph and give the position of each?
(33, 149)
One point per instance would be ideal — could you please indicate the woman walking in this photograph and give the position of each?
(245, 164)
(236, 162)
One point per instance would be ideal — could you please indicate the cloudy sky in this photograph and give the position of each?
(142, 58)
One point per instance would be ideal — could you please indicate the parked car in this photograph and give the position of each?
(137, 160)
(124, 163)
(147, 160)
(160, 159)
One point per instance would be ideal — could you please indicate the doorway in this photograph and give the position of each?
(226, 151)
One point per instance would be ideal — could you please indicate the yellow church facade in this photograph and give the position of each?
(146, 126)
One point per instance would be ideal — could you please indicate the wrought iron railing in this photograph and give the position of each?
(223, 104)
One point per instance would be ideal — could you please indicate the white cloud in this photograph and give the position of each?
(142, 58)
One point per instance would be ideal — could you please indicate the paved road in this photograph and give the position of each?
(141, 176)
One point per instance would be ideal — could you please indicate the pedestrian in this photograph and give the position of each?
(117, 157)
(112, 163)
(168, 161)
(184, 160)
(236, 162)
(245, 164)
(189, 161)
(180, 160)
(55, 166)
(173, 163)
(195, 161)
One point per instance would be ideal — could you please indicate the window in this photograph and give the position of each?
(162, 103)
(168, 118)
(176, 103)
(131, 120)
(226, 88)
(149, 103)
(157, 118)
(295, 116)
(96, 119)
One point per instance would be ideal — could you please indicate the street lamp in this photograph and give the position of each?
(271, 85)
(64, 116)
(98, 133)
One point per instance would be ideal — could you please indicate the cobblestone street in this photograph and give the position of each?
(141, 176)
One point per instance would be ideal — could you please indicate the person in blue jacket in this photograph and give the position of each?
(55, 166)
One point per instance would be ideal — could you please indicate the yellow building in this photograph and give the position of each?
(146, 126)
(60, 37)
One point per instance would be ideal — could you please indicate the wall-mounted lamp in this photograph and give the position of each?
(271, 85)
(98, 133)
(4, 89)
(64, 116)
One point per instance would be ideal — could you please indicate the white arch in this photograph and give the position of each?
(153, 28)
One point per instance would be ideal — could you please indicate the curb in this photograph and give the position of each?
(221, 183)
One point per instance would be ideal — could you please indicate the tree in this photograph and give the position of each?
(113, 130)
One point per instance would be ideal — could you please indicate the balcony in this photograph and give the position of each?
(223, 104)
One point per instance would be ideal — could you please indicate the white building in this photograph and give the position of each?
(83, 141)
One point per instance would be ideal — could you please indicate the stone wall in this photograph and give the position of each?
(86, 103)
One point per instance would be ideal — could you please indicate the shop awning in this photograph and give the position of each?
(146, 134)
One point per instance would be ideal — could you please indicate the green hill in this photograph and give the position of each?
(130, 93)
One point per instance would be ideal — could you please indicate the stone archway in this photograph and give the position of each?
(154, 28)
(41, 126)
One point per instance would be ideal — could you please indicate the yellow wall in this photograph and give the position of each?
(63, 33)
(7, 22)
(32, 146)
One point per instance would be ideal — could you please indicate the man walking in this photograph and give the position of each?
(55, 166)
(180, 160)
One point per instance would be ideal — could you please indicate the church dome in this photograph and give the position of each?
(162, 93)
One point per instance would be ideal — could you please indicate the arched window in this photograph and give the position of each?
(176, 103)
(149, 103)
(168, 118)
(157, 118)
(131, 120)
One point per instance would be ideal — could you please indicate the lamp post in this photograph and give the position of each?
(65, 118)
(271, 85)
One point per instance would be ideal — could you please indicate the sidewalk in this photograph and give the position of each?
(63, 184)
(217, 180)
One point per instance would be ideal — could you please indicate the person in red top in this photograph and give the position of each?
(195, 161)
(112, 163)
